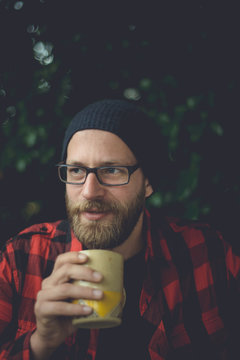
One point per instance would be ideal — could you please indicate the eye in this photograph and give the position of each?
(112, 170)
(76, 171)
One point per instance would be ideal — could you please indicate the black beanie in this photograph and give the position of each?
(131, 124)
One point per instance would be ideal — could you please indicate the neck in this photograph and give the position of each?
(134, 242)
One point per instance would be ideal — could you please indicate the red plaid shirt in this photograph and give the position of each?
(189, 293)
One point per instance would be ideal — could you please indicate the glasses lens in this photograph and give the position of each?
(117, 175)
(72, 174)
(113, 175)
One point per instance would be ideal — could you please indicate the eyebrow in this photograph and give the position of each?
(105, 163)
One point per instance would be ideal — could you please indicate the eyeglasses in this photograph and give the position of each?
(106, 175)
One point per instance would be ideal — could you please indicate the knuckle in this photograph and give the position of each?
(60, 261)
(85, 292)
(44, 283)
(90, 293)
(89, 271)
(65, 288)
(60, 257)
(66, 257)
(39, 297)
(66, 267)
(38, 306)
(64, 273)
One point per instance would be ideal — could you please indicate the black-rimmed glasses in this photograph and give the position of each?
(106, 175)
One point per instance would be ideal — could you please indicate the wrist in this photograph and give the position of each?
(40, 348)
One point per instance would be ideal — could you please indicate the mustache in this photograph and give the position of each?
(95, 205)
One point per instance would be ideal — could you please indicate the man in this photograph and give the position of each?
(181, 279)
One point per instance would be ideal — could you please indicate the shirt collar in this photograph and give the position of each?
(76, 245)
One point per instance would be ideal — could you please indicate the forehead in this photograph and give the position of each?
(98, 146)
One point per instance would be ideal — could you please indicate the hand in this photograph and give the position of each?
(53, 310)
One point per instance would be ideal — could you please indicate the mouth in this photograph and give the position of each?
(94, 215)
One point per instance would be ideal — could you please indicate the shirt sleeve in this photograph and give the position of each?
(12, 346)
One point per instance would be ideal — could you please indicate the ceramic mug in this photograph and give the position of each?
(107, 311)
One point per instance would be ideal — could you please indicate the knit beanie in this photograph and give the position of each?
(132, 125)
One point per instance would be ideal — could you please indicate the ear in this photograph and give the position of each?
(148, 188)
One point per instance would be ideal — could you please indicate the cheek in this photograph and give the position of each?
(124, 194)
(72, 192)
(128, 194)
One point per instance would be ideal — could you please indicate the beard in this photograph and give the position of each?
(105, 234)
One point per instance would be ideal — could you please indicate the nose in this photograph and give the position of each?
(92, 189)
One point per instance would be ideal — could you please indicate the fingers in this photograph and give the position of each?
(69, 291)
(72, 257)
(59, 288)
(68, 267)
(69, 272)
(53, 308)
(54, 302)
(61, 308)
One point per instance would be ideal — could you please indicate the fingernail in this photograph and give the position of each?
(82, 256)
(97, 275)
(87, 309)
(97, 293)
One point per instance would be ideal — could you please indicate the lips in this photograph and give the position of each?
(94, 215)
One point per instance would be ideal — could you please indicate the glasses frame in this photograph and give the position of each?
(131, 169)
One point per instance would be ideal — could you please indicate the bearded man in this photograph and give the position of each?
(181, 278)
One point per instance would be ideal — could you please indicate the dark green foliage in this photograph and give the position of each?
(179, 61)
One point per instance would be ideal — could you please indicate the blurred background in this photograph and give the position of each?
(178, 60)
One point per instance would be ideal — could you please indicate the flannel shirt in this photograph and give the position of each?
(189, 294)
